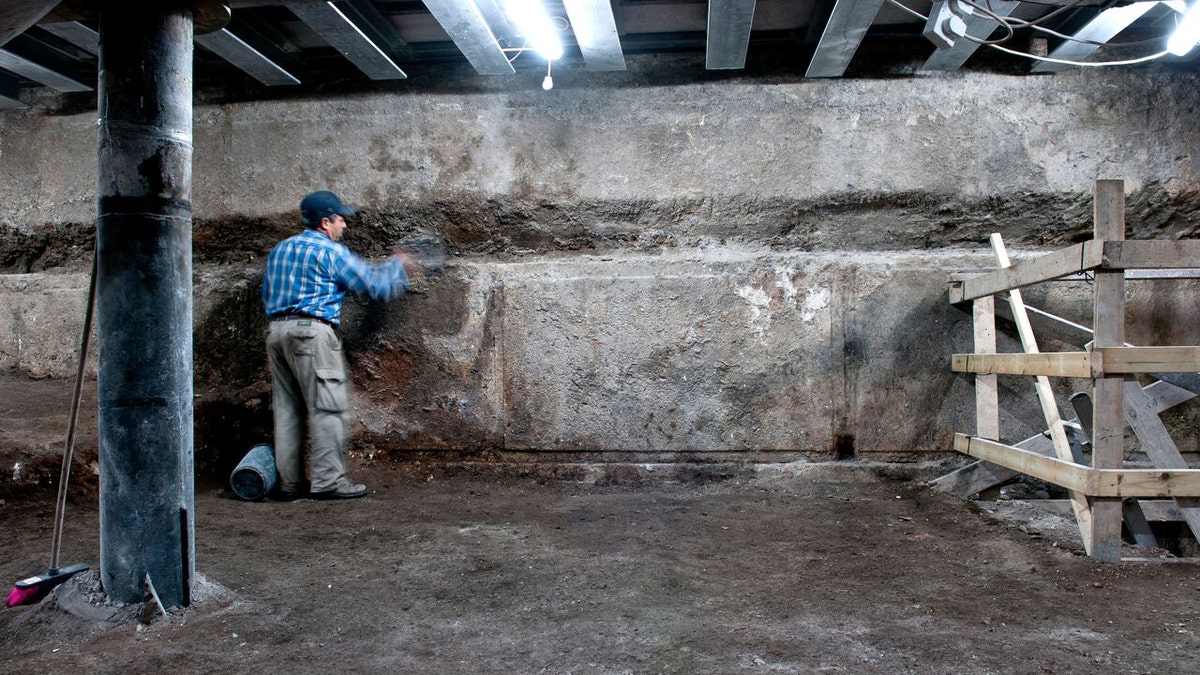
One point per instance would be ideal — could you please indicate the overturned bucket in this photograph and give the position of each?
(254, 476)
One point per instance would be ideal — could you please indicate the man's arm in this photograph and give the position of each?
(384, 281)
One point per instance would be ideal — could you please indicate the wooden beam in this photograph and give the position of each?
(979, 476)
(1100, 362)
(1051, 469)
(1131, 360)
(1105, 484)
(1108, 407)
(1051, 364)
(1071, 260)
(1142, 416)
(1155, 510)
(987, 393)
(1151, 254)
(1062, 447)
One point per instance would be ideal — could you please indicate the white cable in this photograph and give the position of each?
(1089, 64)
(1048, 59)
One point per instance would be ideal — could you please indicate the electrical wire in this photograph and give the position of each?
(519, 50)
(1010, 25)
(1089, 64)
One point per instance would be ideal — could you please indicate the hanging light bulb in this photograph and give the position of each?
(1187, 33)
(548, 82)
(535, 25)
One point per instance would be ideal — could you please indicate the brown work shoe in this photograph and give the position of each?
(346, 491)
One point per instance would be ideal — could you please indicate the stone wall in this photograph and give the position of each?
(746, 270)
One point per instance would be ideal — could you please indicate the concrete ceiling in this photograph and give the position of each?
(287, 43)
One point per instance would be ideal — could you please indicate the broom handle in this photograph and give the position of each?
(68, 454)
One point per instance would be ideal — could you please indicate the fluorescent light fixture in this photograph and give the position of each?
(534, 22)
(1187, 33)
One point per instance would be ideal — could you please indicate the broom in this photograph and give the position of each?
(32, 589)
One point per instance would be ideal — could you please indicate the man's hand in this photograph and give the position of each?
(412, 267)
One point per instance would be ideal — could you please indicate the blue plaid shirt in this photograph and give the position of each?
(309, 273)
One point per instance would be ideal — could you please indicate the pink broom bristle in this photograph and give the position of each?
(22, 596)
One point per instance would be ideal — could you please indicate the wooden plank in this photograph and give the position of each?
(1138, 526)
(1122, 483)
(1131, 512)
(1062, 448)
(987, 392)
(1131, 360)
(1065, 474)
(1150, 254)
(1142, 417)
(1052, 364)
(1154, 510)
(1070, 260)
(1102, 484)
(979, 476)
(1108, 312)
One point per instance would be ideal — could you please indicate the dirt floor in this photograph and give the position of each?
(796, 569)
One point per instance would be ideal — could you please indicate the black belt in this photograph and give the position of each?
(302, 317)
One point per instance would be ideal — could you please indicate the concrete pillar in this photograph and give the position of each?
(144, 301)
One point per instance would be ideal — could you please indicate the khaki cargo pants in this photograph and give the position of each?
(308, 382)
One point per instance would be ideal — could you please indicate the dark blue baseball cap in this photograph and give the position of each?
(322, 204)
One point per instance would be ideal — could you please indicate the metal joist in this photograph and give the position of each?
(842, 35)
(348, 38)
(251, 61)
(595, 31)
(40, 74)
(10, 93)
(729, 23)
(466, 26)
(1091, 37)
(75, 33)
(979, 27)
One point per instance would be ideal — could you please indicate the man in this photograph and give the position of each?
(306, 278)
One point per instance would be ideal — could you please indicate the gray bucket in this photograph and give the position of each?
(254, 476)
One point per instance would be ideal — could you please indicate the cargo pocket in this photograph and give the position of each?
(331, 391)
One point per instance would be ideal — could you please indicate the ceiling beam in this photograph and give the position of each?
(18, 15)
(978, 26)
(377, 27)
(251, 61)
(729, 24)
(595, 31)
(465, 25)
(10, 93)
(1103, 28)
(40, 74)
(348, 38)
(75, 33)
(842, 35)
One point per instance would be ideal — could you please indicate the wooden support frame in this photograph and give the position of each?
(1092, 482)
(1100, 362)
(1096, 491)
(1096, 254)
